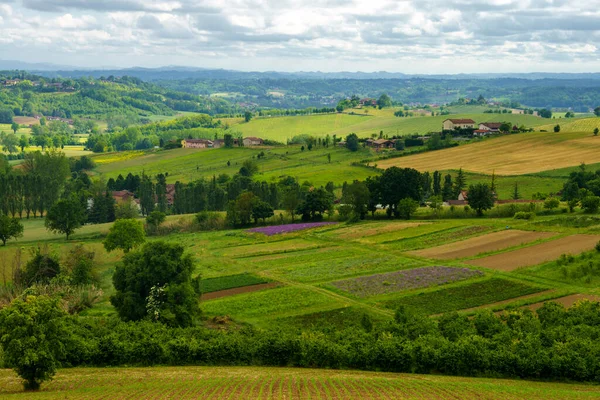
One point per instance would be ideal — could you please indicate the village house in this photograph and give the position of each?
(382, 144)
(252, 141)
(451, 124)
(368, 102)
(122, 196)
(490, 126)
(218, 143)
(11, 82)
(196, 144)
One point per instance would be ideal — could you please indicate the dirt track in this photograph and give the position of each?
(240, 290)
(537, 254)
(566, 301)
(482, 244)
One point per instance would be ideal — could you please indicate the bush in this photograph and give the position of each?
(524, 215)
(590, 204)
(209, 221)
(42, 267)
(79, 265)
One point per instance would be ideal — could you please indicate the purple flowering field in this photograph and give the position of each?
(277, 229)
(416, 278)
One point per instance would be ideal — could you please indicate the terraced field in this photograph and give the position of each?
(221, 383)
(372, 267)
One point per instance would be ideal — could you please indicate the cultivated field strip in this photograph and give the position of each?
(537, 254)
(229, 383)
(482, 244)
(509, 155)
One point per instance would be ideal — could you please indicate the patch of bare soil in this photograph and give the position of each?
(481, 244)
(566, 301)
(537, 254)
(234, 291)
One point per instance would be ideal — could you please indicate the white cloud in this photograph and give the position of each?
(435, 36)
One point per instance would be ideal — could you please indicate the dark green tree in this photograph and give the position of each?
(125, 234)
(164, 267)
(357, 195)
(460, 182)
(407, 207)
(352, 142)
(384, 101)
(315, 204)
(65, 216)
(10, 228)
(437, 183)
(248, 116)
(261, 210)
(33, 337)
(481, 198)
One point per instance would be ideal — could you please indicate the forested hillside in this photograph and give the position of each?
(23, 94)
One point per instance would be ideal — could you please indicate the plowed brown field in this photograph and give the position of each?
(537, 254)
(482, 244)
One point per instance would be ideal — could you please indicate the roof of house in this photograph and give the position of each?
(382, 141)
(122, 193)
(480, 131)
(253, 138)
(197, 141)
(492, 125)
(460, 121)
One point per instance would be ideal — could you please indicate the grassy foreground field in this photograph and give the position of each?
(510, 155)
(279, 384)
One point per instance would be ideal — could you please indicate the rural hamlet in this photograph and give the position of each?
(299, 200)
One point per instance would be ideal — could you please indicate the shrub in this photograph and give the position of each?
(590, 204)
(551, 203)
(42, 267)
(79, 265)
(524, 215)
(209, 221)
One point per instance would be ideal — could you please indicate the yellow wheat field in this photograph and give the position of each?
(509, 155)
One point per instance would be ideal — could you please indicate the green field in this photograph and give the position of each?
(187, 165)
(364, 125)
(280, 383)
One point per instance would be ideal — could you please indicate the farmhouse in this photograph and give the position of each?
(451, 124)
(122, 196)
(218, 143)
(253, 141)
(382, 144)
(196, 144)
(490, 126)
(368, 102)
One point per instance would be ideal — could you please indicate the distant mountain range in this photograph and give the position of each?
(178, 73)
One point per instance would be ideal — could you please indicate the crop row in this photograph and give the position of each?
(466, 296)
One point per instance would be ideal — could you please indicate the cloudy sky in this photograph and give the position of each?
(426, 36)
